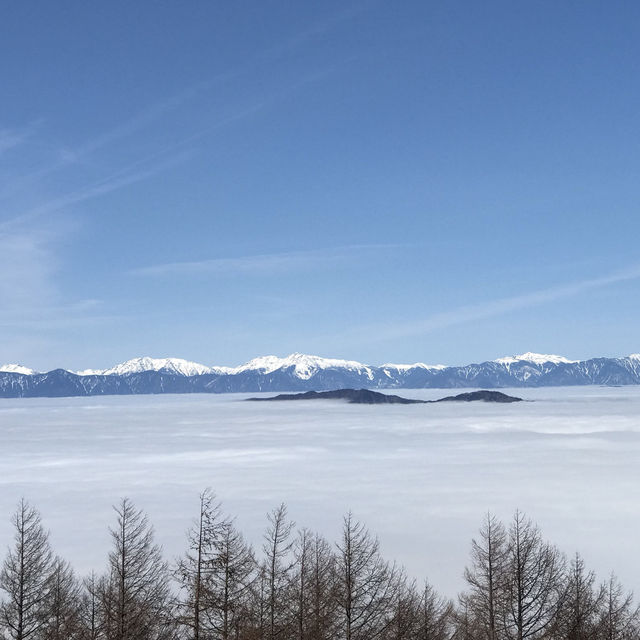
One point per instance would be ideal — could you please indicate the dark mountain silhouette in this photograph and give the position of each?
(483, 396)
(353, 396)
(366, 396)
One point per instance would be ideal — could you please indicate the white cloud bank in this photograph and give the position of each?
(421, 477)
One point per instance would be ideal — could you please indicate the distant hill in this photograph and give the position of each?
(299, 372)
(353, 396)
(366, 396)
(481, 396)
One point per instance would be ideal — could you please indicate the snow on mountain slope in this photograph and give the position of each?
(299, 372)
(17, 368)
(305, 366)
(416, 365)
(534, 358)
(632, 363)
(176, 366)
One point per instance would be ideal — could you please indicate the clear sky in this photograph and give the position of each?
(381, 181)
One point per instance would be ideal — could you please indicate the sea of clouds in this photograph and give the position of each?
(420, 476)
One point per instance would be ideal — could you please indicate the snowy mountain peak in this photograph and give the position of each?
(534, 358)
(415, 365)
(297, 372)
(17, 368)
(177, 366)
(305, 366)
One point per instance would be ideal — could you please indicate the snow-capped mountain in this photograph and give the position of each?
(304, 366)
(176, 366)
(415, 365)
(300, 372)
(535, 358)
(17, 368)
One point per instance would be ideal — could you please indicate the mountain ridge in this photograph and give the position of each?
(300, 372)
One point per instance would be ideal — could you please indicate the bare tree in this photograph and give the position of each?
(233, 576)
(26, 577)
(136, 597)
(63, 610)
(434, 615)
(405, 617)
(582, 603)
(278, 564)
(619, 618)
(533, 582)
(486, 577)
(194, 570)
(302, 553)
(368, 586)
(520, 588)
(260, 606)
(464, 623)
(90, 607)
(323, 590)
(314, 586)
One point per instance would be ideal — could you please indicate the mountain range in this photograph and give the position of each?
(299, 372)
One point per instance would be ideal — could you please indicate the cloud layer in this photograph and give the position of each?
(420, 476)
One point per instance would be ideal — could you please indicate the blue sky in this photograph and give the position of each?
(443, 182)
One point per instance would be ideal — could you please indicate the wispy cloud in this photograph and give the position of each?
(124, 177)
(150, 164)
(264, 264)
(32, 303)
(493, 308)
(10, 138)
(318, 30)
(32, 291)
(26, 269)
(69, 156)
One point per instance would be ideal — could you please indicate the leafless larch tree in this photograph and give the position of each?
(300, 587)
